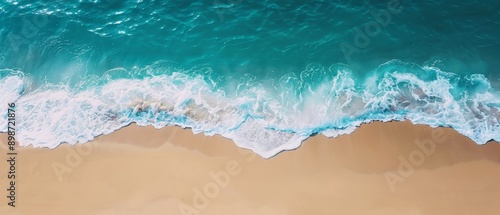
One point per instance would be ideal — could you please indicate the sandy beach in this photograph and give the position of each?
(381, 168)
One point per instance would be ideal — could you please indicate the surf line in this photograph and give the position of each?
(11, 154)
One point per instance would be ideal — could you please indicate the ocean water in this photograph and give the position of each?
(266, 74)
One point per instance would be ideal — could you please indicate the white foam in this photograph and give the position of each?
(257, 117)
(10, 90)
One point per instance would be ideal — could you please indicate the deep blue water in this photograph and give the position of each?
(266, 74)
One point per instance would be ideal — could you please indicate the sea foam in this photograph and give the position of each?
(266, 117)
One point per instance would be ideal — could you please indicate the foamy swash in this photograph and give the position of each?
(264, 116)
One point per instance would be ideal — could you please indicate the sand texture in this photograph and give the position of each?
(382, 168)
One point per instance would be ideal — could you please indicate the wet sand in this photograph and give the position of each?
(381, 168)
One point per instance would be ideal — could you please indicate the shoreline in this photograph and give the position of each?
(374, 170)
(134, 124)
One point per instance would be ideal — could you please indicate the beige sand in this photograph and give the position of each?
(379, 169)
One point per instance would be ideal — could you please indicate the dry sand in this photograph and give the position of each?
(378, 169)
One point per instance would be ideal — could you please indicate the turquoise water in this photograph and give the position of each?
(266, 74)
